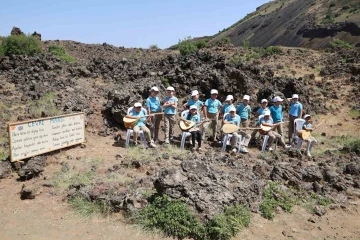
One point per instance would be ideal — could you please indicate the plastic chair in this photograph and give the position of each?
(227, 138)
(298, 124)
(129, 132)
(184, 135)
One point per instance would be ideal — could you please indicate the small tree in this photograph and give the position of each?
(21, 45)
(187, 46)
(201, 44)
(154, 47)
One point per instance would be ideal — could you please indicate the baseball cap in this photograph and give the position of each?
(295, 96)
(170, 89)
(246, 97)
(307, 116)
(264, 100)
(214, 91)
(277, 99)
(193, 107)
(266, 113)
(194, 93)
(154, 89)
(137, 104)
(229, 97)
(232, 109)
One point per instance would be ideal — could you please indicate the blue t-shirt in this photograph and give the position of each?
(244, 111)
(142, 120)
(263, 120)
(194, 118)
(276, 113)
(168, 109)
(154, 104)
(234, 120)
(212, 105)
(307, 125)
(295, 109)
(199, 104)
(226, 108)
(261, 111)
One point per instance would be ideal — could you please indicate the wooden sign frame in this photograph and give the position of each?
(42, 119)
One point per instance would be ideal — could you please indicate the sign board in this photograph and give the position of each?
(35, 137)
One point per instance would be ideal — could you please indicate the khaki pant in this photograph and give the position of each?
(146, 131)
(235, 138)
(274, 135)
(310, 143)
(291, 127)
(155, 126)
(212, 124)
(279, 129)
(169, 120)
(245, 123)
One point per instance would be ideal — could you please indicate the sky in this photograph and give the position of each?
(132, 23)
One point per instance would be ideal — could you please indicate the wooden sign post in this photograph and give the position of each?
(35, 137)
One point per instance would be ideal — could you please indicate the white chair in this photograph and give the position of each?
(298, 124)
(184, 135)
(227, 138)
(129, 132)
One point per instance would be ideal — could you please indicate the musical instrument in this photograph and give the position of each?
(265, 129)
(230, 128)
(304, 134)
(186, 125)
(131, 122)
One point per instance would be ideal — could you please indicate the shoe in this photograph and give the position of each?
(270, 149)
(136, 143)
(233, 152)
(243, 149)
(287, 147)
(199, 150)
(308, 154)
(152, 145)
(193, 149)
(167, 141)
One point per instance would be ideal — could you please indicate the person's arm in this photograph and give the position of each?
(249, 112)
(131, 116)
(174, 105)
(267, 124)
(185, 106)
(301, 112)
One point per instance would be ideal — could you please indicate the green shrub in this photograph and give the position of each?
(44, 106)
(273, 198)
(246, 44)
(201, 44)
(173, 218)
(338, 43)
(85, 208)
(353, 146)
(20, 45)
(154, 47)
(61, 53)
(187, 46)
(273, 50)
(228, 224)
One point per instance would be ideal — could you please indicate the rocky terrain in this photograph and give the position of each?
(296, 23)
(105, 80)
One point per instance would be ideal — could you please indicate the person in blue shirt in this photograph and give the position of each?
(137, 113)
(295, 111)
(268, 122)
(194, 101)
(259, 112)
(309, 127)
(244, 111)
(277, 113)
(228, 104)
(153, 105)
(195, 132)
(211, 112)
(170, 106)
(233, 118)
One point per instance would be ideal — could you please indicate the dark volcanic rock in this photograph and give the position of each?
(16, 31)
(5, 169)
(32, 168)
(27, 193)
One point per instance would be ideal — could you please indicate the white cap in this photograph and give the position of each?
(246, 97)
(232, 109)
(229, 97)
(194, 93)
(277, 99)
(214, 91)
(154, 89)
(266, 113)
(170, 89)
(295, 96)
(306, 116)
(137, 104)
(264, 100)
(193, 107)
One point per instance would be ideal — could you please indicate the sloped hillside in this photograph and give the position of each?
(305, 23)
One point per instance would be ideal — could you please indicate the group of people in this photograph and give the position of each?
(208, 114)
